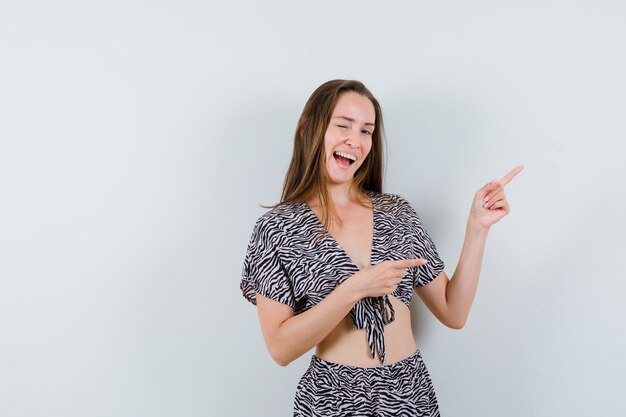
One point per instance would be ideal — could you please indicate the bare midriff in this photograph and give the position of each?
(347, 345)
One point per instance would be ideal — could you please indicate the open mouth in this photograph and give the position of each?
(343, 159)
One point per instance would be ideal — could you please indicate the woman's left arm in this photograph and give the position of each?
(450, 300)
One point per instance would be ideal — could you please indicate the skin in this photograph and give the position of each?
(328, 326)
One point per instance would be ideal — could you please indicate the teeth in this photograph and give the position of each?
(346, 155)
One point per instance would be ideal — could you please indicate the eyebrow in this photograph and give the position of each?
(352, 120)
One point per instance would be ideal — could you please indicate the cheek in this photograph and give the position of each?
(367, 147)
(329, 142)
(366, 153)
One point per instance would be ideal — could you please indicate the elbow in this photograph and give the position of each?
(281, 361)
(456, 324)
(281, 358)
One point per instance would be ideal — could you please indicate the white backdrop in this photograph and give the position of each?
(138, 138)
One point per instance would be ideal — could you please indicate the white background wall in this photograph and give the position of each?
(139, 137)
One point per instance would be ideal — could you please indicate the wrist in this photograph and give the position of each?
(475, 228)
(351, 290)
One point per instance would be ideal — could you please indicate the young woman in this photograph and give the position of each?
(335, 263)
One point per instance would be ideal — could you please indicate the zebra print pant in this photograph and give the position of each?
(400, 389)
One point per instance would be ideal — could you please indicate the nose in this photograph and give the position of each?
(353, 139)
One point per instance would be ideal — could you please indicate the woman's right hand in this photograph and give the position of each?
(383, 278)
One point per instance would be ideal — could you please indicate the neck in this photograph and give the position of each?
(340, 194)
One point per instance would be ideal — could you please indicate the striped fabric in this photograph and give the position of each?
(292, 259)
(401, 389)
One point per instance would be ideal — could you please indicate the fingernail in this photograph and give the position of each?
(486, 199)
(485, 205)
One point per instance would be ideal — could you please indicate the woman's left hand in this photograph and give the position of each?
(490, 205)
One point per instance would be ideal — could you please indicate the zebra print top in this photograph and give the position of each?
(292, 259)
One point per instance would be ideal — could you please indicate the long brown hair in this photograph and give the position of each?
(307, 173)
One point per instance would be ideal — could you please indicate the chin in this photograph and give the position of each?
(339, 179)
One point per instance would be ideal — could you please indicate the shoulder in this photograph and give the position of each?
(278, 219)
(391, 203)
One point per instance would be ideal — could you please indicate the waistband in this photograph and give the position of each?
(349, 370)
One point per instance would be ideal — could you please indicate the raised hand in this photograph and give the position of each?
(490, 204)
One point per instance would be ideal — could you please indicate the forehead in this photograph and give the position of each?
(355, 106)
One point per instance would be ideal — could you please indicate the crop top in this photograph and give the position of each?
(292, 259)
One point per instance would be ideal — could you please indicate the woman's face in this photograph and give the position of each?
(348, 139)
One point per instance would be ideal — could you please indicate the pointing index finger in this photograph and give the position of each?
(508, 177)
(405, 263)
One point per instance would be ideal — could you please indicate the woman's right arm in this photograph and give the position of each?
(288, 335)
